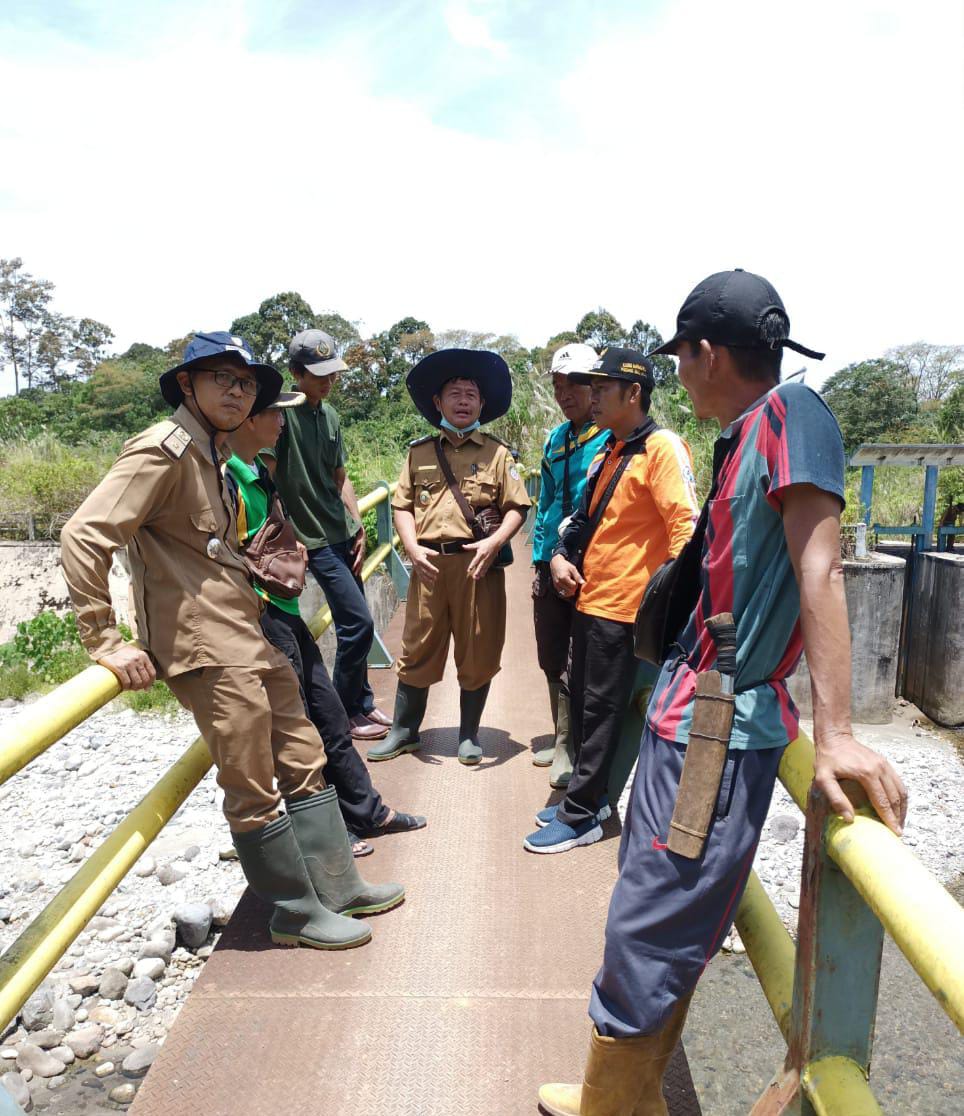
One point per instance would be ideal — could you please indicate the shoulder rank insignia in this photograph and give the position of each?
(422, 441)
(496, 438)
(175, 444)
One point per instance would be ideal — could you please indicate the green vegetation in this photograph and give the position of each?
(73, 408)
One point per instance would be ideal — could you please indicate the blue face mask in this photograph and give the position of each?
(446, 425)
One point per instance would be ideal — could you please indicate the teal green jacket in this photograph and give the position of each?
(556, 502)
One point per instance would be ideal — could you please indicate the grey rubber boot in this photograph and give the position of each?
(276, 873)
(410, 702)
(545, 756)
(561, 770)
(323, 839)
(471, 704)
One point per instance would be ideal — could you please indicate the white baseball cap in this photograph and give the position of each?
(573, 358)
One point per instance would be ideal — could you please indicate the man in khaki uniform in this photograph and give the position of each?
(197, 621)
(457, 589)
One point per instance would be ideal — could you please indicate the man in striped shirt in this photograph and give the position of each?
(771, 557)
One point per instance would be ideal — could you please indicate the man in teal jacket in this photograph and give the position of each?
(566, 457)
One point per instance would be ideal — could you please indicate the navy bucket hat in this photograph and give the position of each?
(488, 370)
(203, 346)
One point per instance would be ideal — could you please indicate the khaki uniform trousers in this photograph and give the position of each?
(254, 723)
(457, 606)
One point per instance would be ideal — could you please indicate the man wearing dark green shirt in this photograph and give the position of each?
(321, 503)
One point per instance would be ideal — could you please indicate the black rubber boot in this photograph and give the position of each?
(410, 702)
(471, 704)
(323, 839)
(276, 872)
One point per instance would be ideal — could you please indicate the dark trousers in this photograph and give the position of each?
(361, 805)
(354, 627)
(668, 915)
(602, 670)
(552, 616)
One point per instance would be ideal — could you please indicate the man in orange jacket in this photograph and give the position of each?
(639, 509)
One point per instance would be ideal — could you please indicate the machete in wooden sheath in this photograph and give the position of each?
(709, 741)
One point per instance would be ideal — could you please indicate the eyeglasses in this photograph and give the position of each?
(227, 380)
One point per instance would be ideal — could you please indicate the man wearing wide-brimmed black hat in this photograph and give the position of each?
(197, 620)
(459, 501)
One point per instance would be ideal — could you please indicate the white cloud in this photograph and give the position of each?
(819, 146)
(469, 28)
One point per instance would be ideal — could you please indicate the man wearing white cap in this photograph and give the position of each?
(321, 504)
(568, 451)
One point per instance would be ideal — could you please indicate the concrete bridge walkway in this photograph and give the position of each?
(470, 995)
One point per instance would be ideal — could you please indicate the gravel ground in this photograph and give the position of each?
(88, 1036)
(90, 1033)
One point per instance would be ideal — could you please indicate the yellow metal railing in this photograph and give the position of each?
(41, 945)
(921, 916)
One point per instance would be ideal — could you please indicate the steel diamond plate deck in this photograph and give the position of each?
(470, 995)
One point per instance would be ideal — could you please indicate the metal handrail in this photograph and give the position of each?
(928, 932)
(40, 946)
(51, 717)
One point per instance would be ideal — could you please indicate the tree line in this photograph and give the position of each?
(65, 383)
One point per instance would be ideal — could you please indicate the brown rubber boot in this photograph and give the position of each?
(623, 1077)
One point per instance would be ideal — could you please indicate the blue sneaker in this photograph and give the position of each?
(548, 814)
(558, 837)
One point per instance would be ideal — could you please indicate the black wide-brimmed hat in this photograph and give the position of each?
(487, 369)
(203, 346)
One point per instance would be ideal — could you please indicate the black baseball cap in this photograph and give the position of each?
(728, 308)
(614, 363)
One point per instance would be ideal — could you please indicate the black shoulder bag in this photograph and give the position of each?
(674, 588)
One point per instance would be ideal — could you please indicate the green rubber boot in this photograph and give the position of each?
(564, 755)
(545, 756)
(471, 704)
(410, 702)
(276, 872)
(323, 839)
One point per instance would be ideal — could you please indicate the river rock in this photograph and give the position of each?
(38, 1061)
(64, 1054)
(17, 1088)
(105, 1069)
(145, 867)
(221, 911)
(140, 1061)
(84, 984)
(86, 1040)
(47, 1039)
(193, 921)
(113, 984)
(783, 828)
(152, 967)
(62, 1017)
(159, 948)
(37, 1012)
(124, 964)
(123, 1094)
(168, 874)
(141, 993)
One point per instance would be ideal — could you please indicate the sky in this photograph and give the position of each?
(488, 165)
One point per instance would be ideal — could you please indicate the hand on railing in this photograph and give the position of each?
(131, 666)
(839, 756)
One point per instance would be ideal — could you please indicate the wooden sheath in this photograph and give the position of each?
(699, 784)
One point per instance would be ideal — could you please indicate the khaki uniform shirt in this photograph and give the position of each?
(484, 471)
(164, 499)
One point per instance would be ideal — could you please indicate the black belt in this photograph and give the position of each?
(448, 546)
